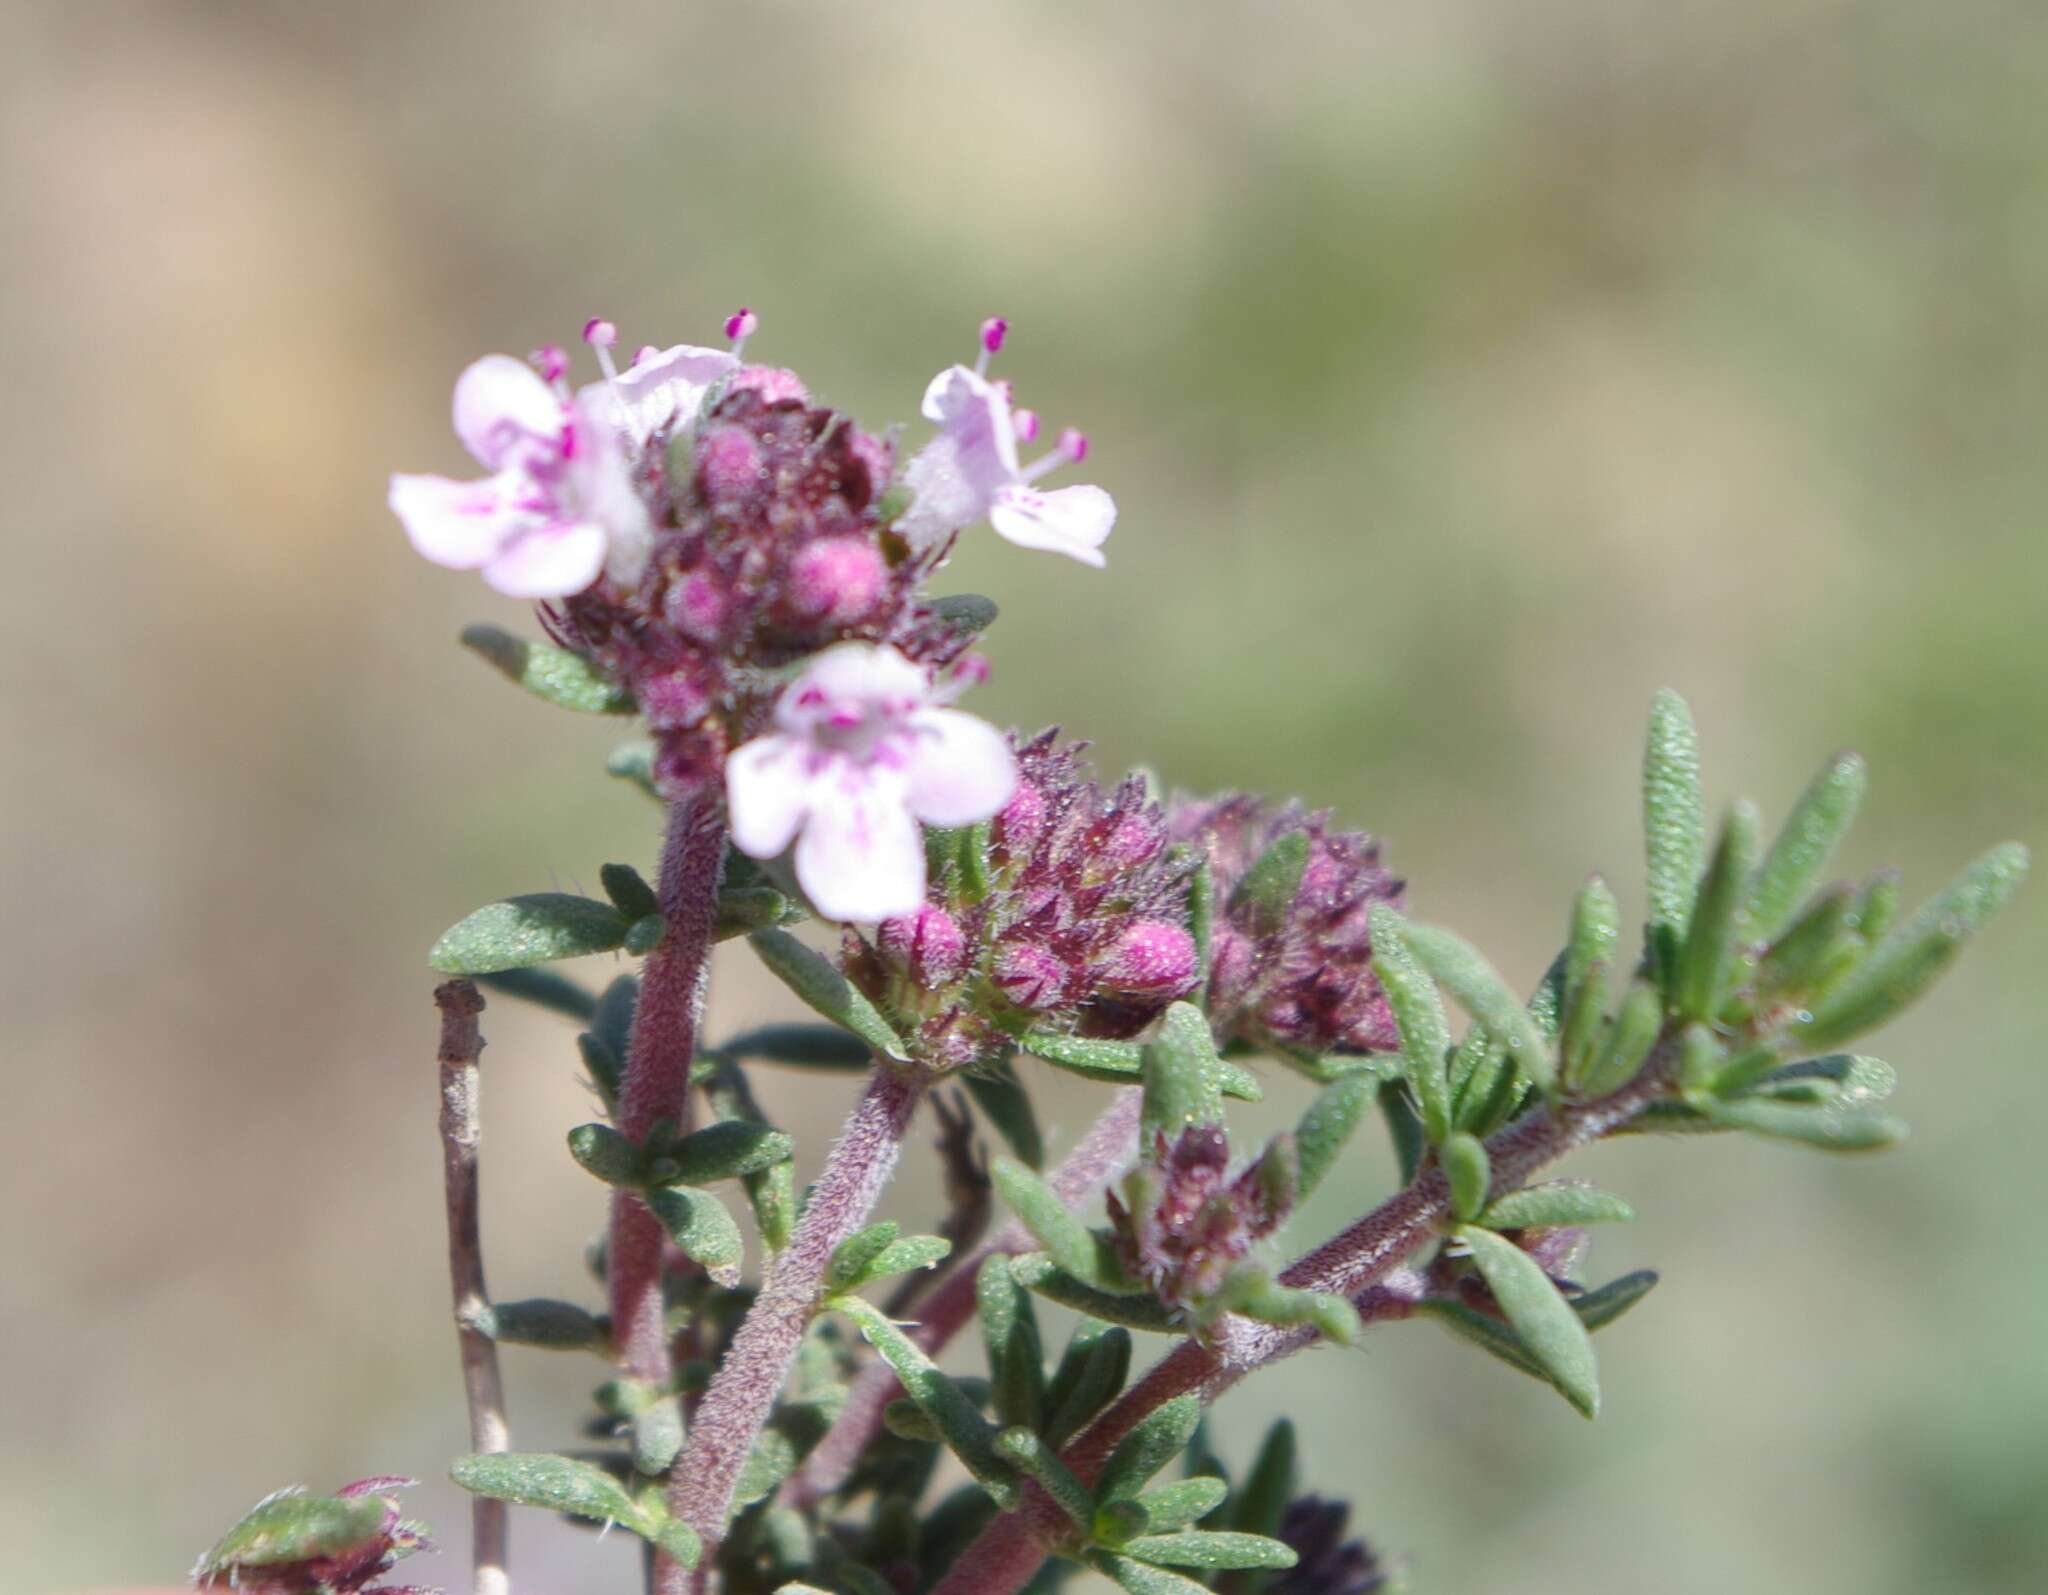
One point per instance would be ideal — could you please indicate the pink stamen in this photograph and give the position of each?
(551, 360)
(993, 332)
(741, 323)
(1074, 444)
(1026, 423)
(599, 333)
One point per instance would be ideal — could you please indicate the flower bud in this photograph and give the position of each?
(728, 463)
(835, 580)
(1153, 955)
(1031, 976)
(927, 945)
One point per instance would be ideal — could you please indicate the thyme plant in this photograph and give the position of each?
(749, 574)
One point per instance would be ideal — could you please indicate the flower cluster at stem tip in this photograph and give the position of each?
(750, 566)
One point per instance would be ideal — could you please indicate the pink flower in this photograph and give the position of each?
(863, 750)
(560, 507)
(971, 471)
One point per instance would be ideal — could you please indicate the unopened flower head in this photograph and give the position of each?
(864, 749)
(1297, 974)
(1071, 916)
(1184, 1221)
(1327, 1563)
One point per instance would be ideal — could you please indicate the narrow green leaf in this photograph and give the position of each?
(1036, 1271)
(1091, 1372)
(1792, 964)
(1486, 1332)
(1020, 1447)
(1914, 956)
(801, 1046)
(555, 1484)
(965, 614)
(1201, 925)
(1141, 1578)
(292, 1526)
(1328, 1125)
(1585, 1026)
(1205, 1548)
(702, 1228)
(548, 1325)
(1595, 934)
(1107, 1062)
(544, 989)
(1549, 1329)
(634, 762)
(742, 910)
(1419, 1016)
(901, 1257)
(657, 1436)
(1404, 1128)
(1270, 886)
(679, 1541)
(1715, 928)
(726, 1150)
(1599, 1308)
(1173, 1507)
(1819, 820)
(1261, 1505)
(554, 675)
(1251, 1291)
(1237, 1082)
(906, 1420)
(1180, 1072)
(602, 1151)
(1469, 1173)
(1467, 976)
(1006, 1105)
(630, 894)
(1009, 1330)
(1629, 1041)
(1155, 1441)
(1674, 815)
(1877, 905)
(534, 929)
(824, 989)
(1831, 1126)
(848, 1267)
(967, 1434)
(1071, 1244)
(1560, 1202)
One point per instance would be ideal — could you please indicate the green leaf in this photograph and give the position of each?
(1914, 956)
(1250, 1290)
(825, 990)
(1261, 1506)
(1155, 1441)
(1674, 815)
(1091, 1372)
(602, 1151)
(1560, 1202)
(1549, 1330)
(1629, 1040)
(1469, 1173)
(902, 1257)
(554, 675)
(1207, 1549)
(1237, 1082)
(1794, 962)
(292, 1526)
(1404, 1128)
(1460, 969)
(612, 1024)
(800, 1046)
(657, 1435)
(1180, 1079)
(679, 1541)
(1818, 821)
(1599, 1308)
(742, 910)
(1009, 1329)
(1141, 1578)
(1108, 1062)
(965, 614)
(630, 894)
(1715, 928)
(700, 1225)
(634, 762)
(725, 1151)
(1327, 1127)
(1595, 935)
(905, 1419)
(549, 1325)
(849, 1264)
(1201, 922)
(1031, 1455)
(534, 929)
(1831, 1126)
(1036, 1271)
(554, 1484)
(968, 1435)
(1419, 1015)
(1071, 1244)
(543, 988)
(1173, 1507)
(1006, 1105)
(1270, 886)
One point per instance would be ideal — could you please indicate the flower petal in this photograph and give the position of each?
(851, 680)
(665, 389)
(457, 524)
(501, 403)
(549, 561)
(767, 793)
(601, 486)
(861, 858)
(961, 769)
(1074, 521)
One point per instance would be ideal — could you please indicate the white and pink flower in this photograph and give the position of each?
(863, 751)
(560, 507)
(970, 470)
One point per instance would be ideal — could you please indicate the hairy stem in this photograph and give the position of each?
(1098, 1157)
(1011, 1548)
(462, 1044)
(657, 1077)
(742, 1393)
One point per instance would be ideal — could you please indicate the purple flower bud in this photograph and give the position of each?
(728, 463)
(836, 579)
(1153, 955)
(673, 700)
(928, 945)
(697, 607)
(1326, 1562)
(1183, 1223)
(775, 384)
(1031, 976)
(1022, 821)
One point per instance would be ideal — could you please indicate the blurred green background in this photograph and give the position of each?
(1464, 372)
